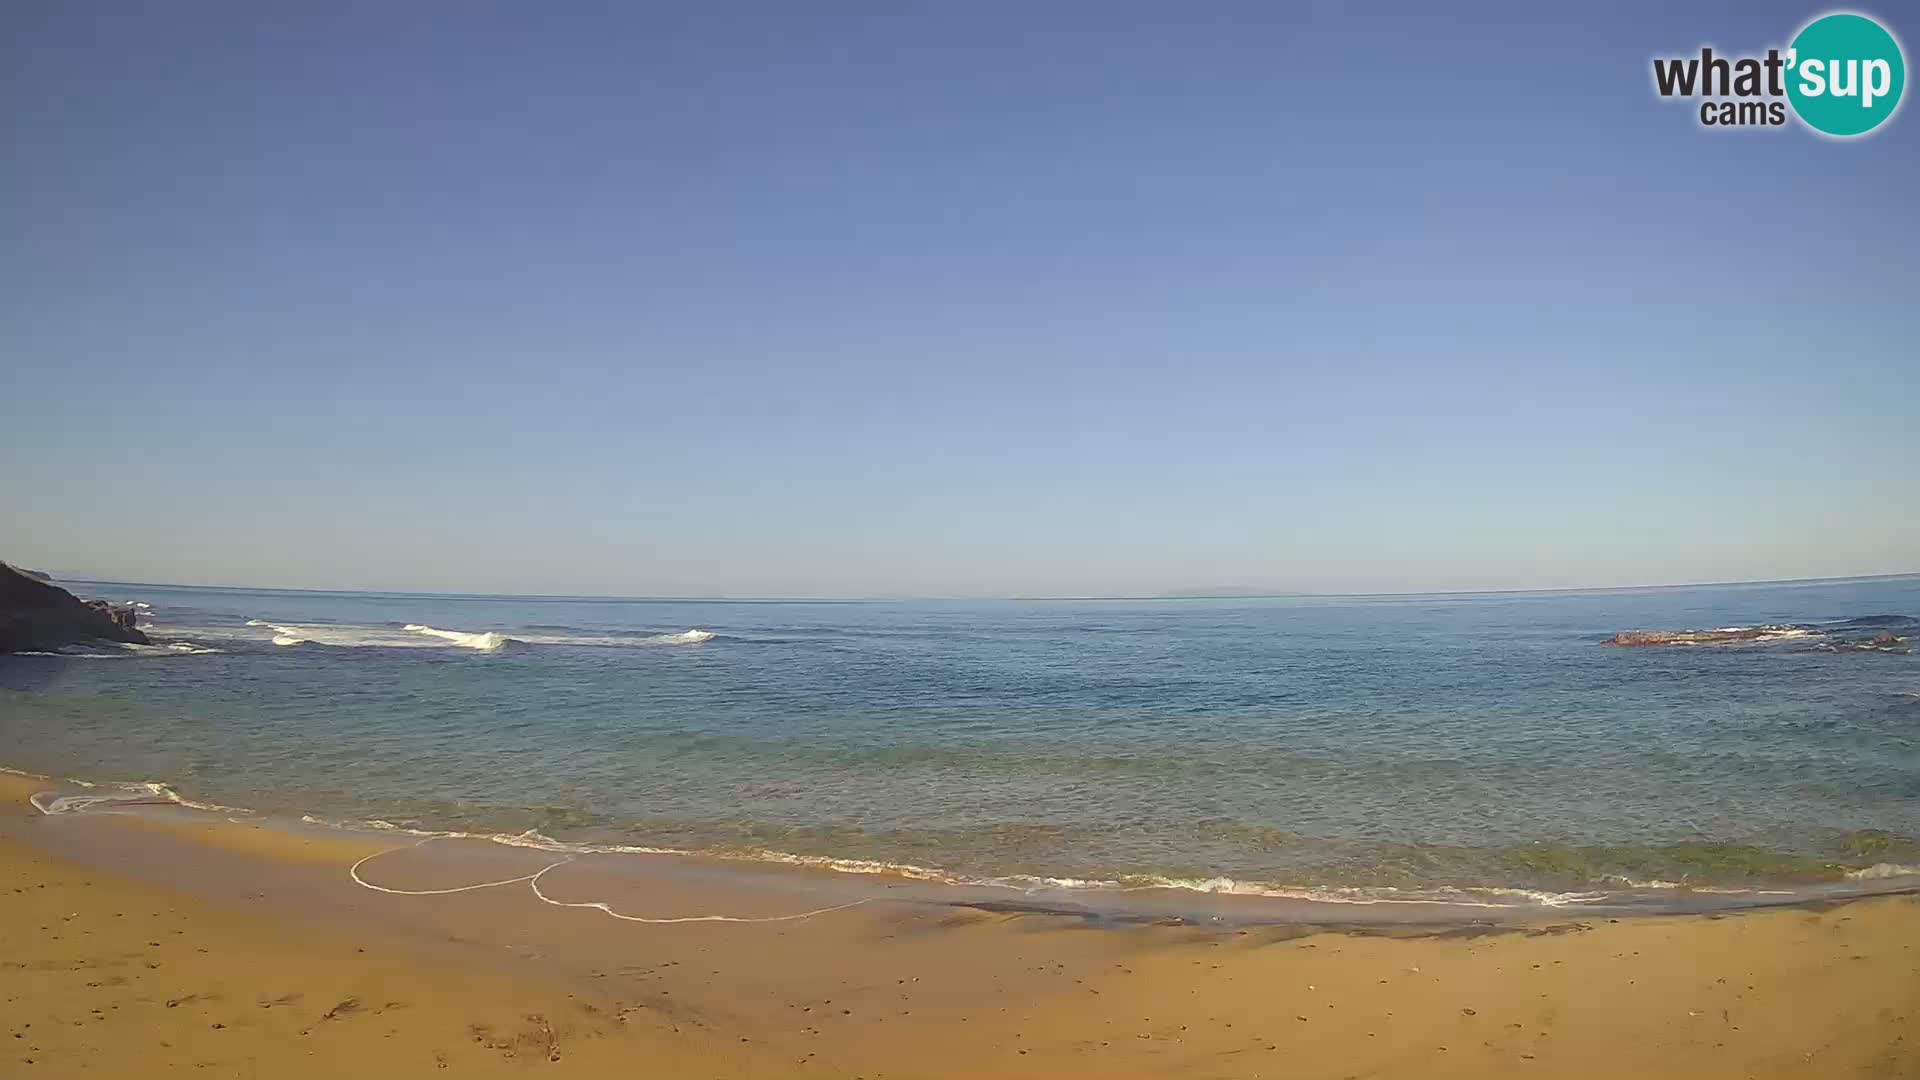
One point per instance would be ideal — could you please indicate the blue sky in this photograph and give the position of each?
(836, 299)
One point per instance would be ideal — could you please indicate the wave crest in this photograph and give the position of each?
(486, 641)
(422, 635)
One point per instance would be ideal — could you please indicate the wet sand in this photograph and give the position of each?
(180, 946)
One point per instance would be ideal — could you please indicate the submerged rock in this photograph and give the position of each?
(1885, 641)
(36, 616)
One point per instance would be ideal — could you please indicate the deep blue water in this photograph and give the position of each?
(1371, 741)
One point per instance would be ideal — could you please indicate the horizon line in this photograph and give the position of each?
(1275, 594)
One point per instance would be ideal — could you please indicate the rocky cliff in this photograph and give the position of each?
(35, 615)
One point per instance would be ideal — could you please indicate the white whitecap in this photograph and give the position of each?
(485, 641)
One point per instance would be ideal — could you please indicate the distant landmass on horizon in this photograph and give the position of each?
(1213, 592)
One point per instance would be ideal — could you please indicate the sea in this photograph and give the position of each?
(1342, 748)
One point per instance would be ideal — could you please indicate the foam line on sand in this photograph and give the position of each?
(533, 882)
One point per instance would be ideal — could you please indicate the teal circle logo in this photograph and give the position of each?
(1845, 74)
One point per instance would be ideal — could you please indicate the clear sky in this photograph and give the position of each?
(968, 298)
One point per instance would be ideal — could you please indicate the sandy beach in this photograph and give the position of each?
(181, 946)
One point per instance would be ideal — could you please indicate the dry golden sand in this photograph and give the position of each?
(112, 973)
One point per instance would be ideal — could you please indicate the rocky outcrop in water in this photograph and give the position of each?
(1705, 637)
(36, 616)
(1846, 635)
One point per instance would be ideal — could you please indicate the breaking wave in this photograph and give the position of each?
(486, 641)
(421, 635)
(341, 636)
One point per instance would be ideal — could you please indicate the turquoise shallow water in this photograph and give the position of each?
(1402, 742)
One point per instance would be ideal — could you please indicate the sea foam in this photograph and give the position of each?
(106, 650)
(143, 793)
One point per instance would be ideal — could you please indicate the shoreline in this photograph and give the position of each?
(1215, 901)
(257, 938)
